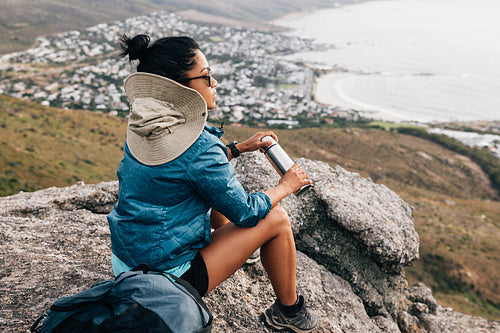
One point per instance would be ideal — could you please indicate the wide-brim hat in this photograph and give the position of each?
(165, 118)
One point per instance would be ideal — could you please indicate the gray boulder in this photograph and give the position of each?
(354, 237)
(357, 229)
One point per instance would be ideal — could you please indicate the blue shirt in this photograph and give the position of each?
(162, 216)
(120, 267)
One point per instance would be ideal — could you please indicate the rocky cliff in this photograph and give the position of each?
(354, 239)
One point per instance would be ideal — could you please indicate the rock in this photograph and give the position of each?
(372, 214)
(357, 229)
(421, 294)
(449, 202)
(53, 242)
(238, 302)
(361, 231)
(425, 155)
(354, 237)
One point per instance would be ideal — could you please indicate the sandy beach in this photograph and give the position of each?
(327, 90)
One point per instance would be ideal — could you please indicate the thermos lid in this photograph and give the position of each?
(268, 138)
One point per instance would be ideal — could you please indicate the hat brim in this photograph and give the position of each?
(170, 145)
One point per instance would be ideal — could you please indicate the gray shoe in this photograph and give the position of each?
(253, 258)
(302, 321)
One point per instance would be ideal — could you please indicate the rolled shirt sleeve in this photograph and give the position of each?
(213, 177)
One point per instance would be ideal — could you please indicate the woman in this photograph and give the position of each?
(176, 184)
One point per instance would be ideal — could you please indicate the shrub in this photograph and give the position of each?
(485, 159)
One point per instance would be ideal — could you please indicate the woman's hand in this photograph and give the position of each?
(291, 182)
(255, 142)
(294, 179)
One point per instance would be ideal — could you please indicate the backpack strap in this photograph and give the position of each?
(143, 267)
(34, 328)
(133, 272)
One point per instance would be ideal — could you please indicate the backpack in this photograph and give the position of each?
(136, 301)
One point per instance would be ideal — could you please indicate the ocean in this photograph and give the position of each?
(407, 60)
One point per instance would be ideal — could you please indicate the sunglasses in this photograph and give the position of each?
(206, 77)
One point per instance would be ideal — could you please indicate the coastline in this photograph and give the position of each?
(339, 88)
(326, 90)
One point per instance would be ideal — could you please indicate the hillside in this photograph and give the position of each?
(42, 147)
(456, 213)
(19, 27)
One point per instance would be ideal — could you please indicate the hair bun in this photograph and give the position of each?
(135, 48)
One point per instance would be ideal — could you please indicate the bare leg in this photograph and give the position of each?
(217, 220)
(232, 245)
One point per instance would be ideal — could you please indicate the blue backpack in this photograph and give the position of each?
(136, 301)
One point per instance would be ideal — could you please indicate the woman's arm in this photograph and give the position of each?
(292, 181)
(253, 143)
(214, 179)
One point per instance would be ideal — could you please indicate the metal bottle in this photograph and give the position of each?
(279, 159)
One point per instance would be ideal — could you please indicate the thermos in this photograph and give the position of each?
(279, 159)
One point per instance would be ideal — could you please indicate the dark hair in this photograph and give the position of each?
(171, 57)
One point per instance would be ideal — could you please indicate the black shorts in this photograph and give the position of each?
(197, 274)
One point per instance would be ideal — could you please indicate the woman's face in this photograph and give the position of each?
(200, 84)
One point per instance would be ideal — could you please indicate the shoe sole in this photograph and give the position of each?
(263, 318)
(268, 323)
(251, 261)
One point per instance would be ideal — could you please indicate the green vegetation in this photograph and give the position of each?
(42, 147)
(391, 126)
(487, 161)
(288, 86)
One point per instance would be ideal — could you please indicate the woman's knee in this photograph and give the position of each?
(279, 216)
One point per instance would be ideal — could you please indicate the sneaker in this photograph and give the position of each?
(253, 258)
(301, 321)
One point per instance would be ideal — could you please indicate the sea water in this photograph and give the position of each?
(412, 60)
